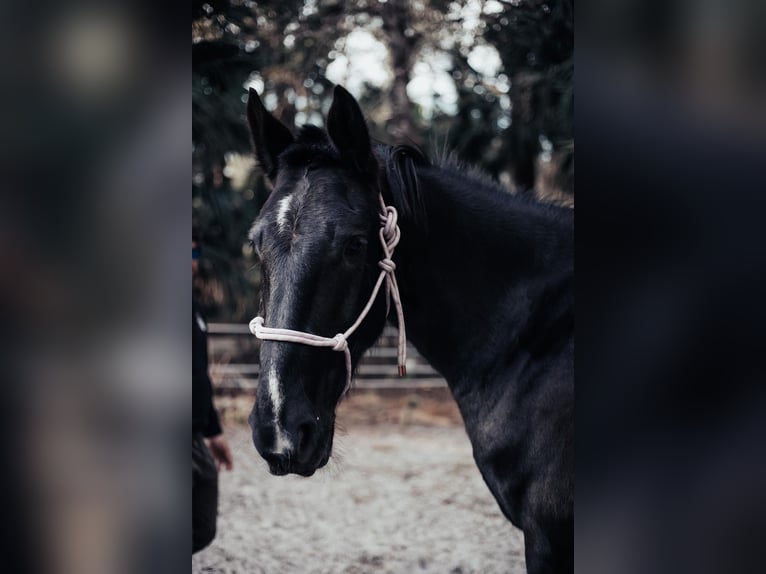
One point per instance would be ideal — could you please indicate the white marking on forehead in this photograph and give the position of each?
(283, 442)
(283, 210)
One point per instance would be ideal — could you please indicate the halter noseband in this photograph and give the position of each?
(389, 239)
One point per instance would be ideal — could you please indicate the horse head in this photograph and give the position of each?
(317, 240)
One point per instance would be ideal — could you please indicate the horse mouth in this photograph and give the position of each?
(305, 473)
(278, 470)
(300, 470)
(285, 472)
(283, 467)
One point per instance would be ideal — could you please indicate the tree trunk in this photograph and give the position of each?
(523, 136)
(402, 43)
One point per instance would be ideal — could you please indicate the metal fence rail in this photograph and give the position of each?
(234, 367)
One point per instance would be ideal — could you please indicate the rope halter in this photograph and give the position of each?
(389, 238)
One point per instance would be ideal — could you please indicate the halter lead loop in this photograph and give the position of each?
(389, 238)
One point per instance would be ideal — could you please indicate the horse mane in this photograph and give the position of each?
(451, 162)
(399, 165)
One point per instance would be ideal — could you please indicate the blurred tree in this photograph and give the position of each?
(510, 121)
(535, 40)
(402, 41)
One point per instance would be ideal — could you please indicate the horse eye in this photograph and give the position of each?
(355, 247)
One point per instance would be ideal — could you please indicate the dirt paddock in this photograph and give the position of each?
(401, 494)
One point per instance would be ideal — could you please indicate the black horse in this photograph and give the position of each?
(486, 282)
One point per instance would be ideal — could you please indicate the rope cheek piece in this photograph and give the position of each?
(389, 238)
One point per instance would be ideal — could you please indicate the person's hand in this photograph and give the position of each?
(219, 448)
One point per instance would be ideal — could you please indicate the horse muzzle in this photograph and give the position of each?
(300, 448)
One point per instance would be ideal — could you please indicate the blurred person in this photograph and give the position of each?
(210, 450)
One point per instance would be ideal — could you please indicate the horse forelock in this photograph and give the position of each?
(311, 147)
(300, 158)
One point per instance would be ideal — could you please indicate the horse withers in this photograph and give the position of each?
(486, 283)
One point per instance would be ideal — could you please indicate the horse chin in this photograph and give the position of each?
(309, 471)
(278, 470)
(299, 469)
(306, 470)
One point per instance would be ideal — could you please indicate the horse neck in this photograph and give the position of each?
(470, 273)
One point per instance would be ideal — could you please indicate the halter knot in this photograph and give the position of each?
(387, 265)
(389, 220)
(341, 344)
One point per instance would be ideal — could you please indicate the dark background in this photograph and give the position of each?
(94, 281)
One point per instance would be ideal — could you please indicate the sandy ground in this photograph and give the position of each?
(399, 498)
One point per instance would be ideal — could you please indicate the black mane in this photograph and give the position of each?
(419, 187)
(399, 166)
(399, 170)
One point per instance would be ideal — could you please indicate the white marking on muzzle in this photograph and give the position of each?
(282, 442)
(282, 211)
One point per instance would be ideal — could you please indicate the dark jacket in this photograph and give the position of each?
(204, 417)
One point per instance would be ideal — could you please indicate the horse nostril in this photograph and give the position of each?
(305, 437)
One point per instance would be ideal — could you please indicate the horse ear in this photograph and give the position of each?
(348, 131)
(270, 136)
